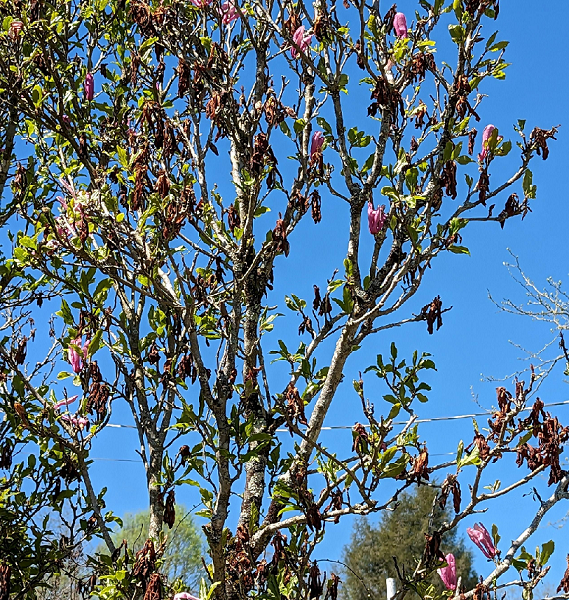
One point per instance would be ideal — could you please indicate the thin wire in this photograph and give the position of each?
(432, 420)
(337, 427)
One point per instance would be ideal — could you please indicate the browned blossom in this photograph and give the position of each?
(184, 74)
(539, 139)
(294, 405)
(280, 237)
(421, 63)
(419, 114)
(316, 206)
(564, 585)
(386, 96)
(420, 468)
(162, 185)
(336, 503)
(170, 509)
(361, 439)
(449, 179)
(450, 485)
(145, 563)
(481, 592)
(482, 444)
(513, 207)
(432, 553)
(5, 582)
(154, 588)
(551, 436)
(483, 186)
(472, 140)
(98, 392)
(432, 313)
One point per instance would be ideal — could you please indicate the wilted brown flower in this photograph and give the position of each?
(361, 439)
(420, 468)
(386, 96)
(513, 207)
(472, 141)
(433, 313)
(450, 485)
(145, 563)
(449, 179)
(294, 405)
(233, 219)
(170, 510)
(432, 552)
(5, 572)
(316, 206)
(162, 185)
(564, 585)
(154, 588)
(280, 237)
(539, 139)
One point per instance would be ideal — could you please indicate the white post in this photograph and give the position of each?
(391, 588)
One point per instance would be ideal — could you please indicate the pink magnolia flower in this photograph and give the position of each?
(488, 131)
(184, 596)
(317, 143)
(201, 3)
(480, 536)
(400, 25)
(448, 573)
(65, 402)
(79, 422)
(66, 119)
(89, 86)
(74, 357)
(229, 12)
(376, 218)
(302, 40)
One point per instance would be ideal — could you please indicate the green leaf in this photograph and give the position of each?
(285, 128)
(457, 33)
(299, 125)
(546, 551)
(459, 250)
(499, 46)
(95, 343)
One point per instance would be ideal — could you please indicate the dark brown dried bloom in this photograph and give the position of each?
(432, 313)
(386, 96)
(483, 186)
(154, 588)
(294, 405)
(315, 583)
(450, 485)
(471, 141)
(170, 510)
(162, 185)
(449, 179)
(233, 219)
(513, 207)
(361, 439)
(184, 74)
(564, 585)
(420, 468)
(316, 206)
(280, 237)
(145, 563)
(432, 552)
(539, 139)
(5, 582)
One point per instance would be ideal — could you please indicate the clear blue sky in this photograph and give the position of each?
(475, 338)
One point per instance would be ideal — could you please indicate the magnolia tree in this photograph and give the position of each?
(143, 146)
